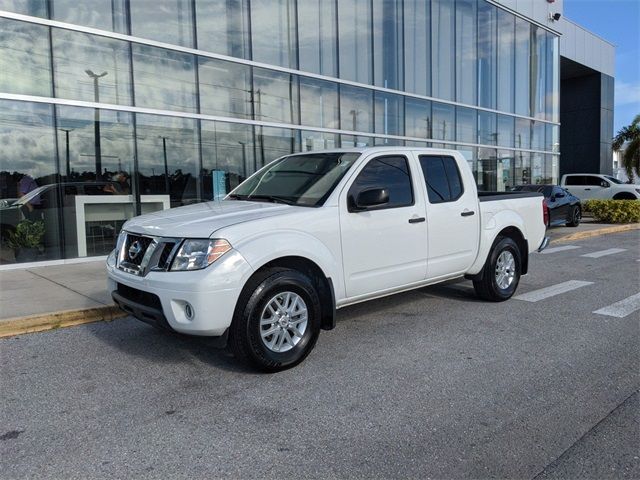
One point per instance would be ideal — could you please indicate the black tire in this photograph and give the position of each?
(487, 288)
(245, 332)
(574, 217)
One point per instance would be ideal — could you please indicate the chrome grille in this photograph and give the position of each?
(140, 254)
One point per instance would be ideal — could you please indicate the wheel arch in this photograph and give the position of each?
(624, 196)
(323, 284)
(516, 235)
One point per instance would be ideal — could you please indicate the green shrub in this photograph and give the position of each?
(613, 211)
(27, 234)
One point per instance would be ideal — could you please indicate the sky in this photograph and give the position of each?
(617, 21)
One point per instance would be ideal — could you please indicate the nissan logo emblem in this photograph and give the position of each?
(134, 250)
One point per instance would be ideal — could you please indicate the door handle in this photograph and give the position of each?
(587, 189)
(417, 220)
(467, 213)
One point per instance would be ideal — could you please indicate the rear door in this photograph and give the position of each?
(577, 185)
(453, 219)
(383, 247)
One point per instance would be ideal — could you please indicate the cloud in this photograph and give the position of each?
(627, 93)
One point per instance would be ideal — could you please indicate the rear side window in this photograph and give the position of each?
(442, 177)
(575, 180)
(391, 173)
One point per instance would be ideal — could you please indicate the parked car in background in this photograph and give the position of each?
(564, 208)
(604, 187)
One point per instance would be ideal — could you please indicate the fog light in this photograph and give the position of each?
(188, 311)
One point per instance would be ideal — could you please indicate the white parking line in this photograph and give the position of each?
(559, 249)
(552, 291)
(622, 308)
(604, 253)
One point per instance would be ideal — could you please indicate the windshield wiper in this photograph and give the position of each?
(269, 198)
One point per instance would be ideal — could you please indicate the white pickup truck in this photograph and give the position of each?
(266, 268)
(587, 186)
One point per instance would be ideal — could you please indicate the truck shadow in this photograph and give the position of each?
(133, 337)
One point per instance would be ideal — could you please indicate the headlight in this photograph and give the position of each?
(198, 254)
(111, 259)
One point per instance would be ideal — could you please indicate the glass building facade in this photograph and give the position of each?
(113, 108)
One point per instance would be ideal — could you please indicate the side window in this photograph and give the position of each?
(442, 177)
(575, 180)
(593, 181)
(391, 173)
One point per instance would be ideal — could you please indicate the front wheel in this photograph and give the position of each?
(501, 273)
(574, 217)
(277, 321)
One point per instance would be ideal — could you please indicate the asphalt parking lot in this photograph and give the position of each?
(427, 384)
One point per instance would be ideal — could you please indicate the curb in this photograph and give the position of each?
(51, 321)
(597, 232)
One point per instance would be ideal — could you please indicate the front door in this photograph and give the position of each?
(385, 246)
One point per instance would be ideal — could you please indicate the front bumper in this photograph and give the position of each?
(200, 302)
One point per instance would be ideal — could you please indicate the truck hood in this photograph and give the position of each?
(203, 219)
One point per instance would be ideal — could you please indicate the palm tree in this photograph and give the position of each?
(631, 155)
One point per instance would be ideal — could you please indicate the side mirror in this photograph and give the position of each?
(372, 197)
(559, 195)
(604, 184)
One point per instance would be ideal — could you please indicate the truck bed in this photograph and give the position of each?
(492, 196)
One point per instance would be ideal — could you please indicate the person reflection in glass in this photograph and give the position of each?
(119, 186)
(31, 209)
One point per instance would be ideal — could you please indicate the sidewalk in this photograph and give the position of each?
(42, 298)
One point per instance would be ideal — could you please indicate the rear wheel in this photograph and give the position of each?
(501, 272)
(574, 217)
(277, 320)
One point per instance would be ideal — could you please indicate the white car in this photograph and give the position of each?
(268, 266)
(587, 186)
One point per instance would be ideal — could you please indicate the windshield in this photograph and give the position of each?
(305, 180)
(31, 195)
(613, 179)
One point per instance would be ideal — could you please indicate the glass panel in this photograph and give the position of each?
(273, 32)
(168, 157)
(443, 121)
(228, 157)
(523, 32)
(37, 8)
(417, 46)
(506, 60)
(487, 54)
(319, 103)
(465, 125)
(351, 141)
(537, 168)
(388, 142)
(319, 141)
(537, 136)
(355, 39)
(275, 142)
(24, 58)
(466, 39)
(164, 78)
(443, 48)
(318, 36)
(552, 138)
(223, 27)
(551, 169)
(275, 96)
(91, 68)
(471, 156)
(523, 133)
(506, 130)
(225, 88)
(487, 128)
(389, 110)
(387, 44)
(552, 68)
(96, 151)
(417, 118)
(538, 76)
(487, 169)
(28, 174)
(522, 169)
(168, 21)
(505, 173)
(101, 14)
(356, 109)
